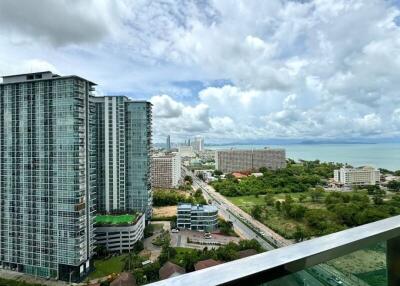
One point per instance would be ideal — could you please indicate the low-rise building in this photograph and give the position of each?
(197, 217)
(202, 264)
(166, 171)
(119, 232)
(169, 270)
(357, 176)
(229, 161)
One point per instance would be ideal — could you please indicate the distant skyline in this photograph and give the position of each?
(231, 71)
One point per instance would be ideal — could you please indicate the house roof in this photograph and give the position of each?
(238, 175)
(170, 269)
(247, 252)
(124, 279)
(206, 263)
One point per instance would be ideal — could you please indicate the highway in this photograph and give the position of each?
(249, 228)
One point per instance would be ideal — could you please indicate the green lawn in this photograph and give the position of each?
(106, 267)
(115, 219)
(180, 252)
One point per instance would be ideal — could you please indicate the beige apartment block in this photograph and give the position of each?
(229, 161)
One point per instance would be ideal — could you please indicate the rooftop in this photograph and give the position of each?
(116, 219)
(206, 263)
(207, 208)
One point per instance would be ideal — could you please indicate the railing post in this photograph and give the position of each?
(393, 261)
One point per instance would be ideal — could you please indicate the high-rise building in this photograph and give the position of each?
(168, 148)
(229, 161)
(123, 136)
(166, 170)
(357, 176)
(46, 175)
(198, 144)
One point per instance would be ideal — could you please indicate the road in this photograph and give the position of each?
(249, 228)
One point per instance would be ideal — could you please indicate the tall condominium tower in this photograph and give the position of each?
(168, 148)
(123, 136)
(46, 175)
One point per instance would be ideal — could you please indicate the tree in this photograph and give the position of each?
(217, 173)
(394, 185)
(269, 200)
(299, 234)
(188, 179)
(302, 197)
(378, 197)
(297, 211)
(278, 206)
(256, 212)
(316, 194)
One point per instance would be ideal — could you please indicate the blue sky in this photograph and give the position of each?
(227, 70)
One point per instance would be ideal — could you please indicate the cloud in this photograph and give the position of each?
(230, 70)
(57, 22)
(174, 118)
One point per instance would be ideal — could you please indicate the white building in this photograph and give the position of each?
(206, 155)
(357, 176)
(166, 170)
(198, 144)
(186, 151)
(229, 161)
(120, 236)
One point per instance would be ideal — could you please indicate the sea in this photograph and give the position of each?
(378, 155)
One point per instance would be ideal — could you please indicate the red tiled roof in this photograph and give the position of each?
(206, 263)
(124, 279)
(238, 175)
(246, 253)
(168, 269)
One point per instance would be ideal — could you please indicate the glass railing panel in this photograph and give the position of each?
(365, 267)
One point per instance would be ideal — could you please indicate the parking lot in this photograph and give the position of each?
(196, 239)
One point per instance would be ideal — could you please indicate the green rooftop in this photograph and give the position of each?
(116, 219)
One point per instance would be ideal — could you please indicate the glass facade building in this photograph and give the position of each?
(47, 175)
(123, 136)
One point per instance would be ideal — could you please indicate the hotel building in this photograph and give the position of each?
(166, 171)
(229, 161)
(357, 176)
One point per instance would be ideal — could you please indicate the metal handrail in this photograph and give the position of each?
(277, 263)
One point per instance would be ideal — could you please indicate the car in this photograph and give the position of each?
(207, 236)
(175, 230)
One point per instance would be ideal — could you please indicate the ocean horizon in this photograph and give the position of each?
(378, 155)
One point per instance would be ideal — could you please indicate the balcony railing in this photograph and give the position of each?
(308, 262)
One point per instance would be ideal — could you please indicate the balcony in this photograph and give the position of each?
(313, 262)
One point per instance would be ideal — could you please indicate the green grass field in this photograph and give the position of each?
(115, 219)
(282, 225)
(180, 253)
(106, 267)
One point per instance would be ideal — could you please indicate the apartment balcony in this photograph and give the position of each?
(367, 255)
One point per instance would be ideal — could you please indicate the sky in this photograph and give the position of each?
(229, 70)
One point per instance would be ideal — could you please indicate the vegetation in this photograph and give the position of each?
(108, 265)
(302, 215)
(115, 219)
(226, 227)
(7, 282)
(163, 198)
(295, 178)
(162, 239)
(187, 258)
(394, 186)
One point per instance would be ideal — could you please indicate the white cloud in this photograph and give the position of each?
(322, 68)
